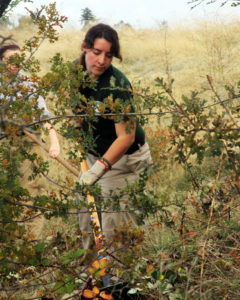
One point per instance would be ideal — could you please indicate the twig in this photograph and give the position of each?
(210, 81)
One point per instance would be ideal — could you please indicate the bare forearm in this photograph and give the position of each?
(53, 137)
(54, 149)
(118, 148)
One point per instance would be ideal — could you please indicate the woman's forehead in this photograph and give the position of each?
(102, 44)
(10, 53)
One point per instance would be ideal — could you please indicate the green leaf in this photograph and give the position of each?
(39, 247)
(33, 261)
(59, 287)
(45, 262)
(78, 253)
(64, 260)
(70, 287)
(155, 274)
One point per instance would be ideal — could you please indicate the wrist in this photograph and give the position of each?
(48, 126)
(106, 162)
(106, 166)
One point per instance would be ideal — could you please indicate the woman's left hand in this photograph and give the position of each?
(54, 150)
(93, 174)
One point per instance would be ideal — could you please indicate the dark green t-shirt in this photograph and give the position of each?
(111, 83)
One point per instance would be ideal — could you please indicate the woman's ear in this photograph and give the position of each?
(83, 47)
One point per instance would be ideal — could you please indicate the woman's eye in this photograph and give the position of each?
(96, 52)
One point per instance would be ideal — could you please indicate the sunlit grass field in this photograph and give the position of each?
(185, 53)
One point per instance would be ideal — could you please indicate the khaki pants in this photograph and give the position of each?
(36, 187)
(127, 168)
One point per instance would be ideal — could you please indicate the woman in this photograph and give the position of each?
(11, 50)
(37, 186)
(119, 154)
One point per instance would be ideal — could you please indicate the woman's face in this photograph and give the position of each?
(98, 58)
(6, 56)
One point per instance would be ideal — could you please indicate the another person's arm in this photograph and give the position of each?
(54, 149)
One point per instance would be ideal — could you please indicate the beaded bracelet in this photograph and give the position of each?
(107, 162)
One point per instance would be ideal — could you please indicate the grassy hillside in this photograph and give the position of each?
(185, 53)
(192, 247)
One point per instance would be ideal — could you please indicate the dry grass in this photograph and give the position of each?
(186, 53)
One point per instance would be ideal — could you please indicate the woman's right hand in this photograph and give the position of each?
(54, 150)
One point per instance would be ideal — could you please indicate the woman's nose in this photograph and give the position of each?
(101, 59)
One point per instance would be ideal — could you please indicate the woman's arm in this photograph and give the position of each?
(123, 141)
(54, 149)
(118, 148)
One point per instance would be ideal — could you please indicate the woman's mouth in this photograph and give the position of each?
(100, 69)
(13, 69)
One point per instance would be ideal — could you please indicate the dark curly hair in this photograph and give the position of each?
(101, 31)
(5, 48)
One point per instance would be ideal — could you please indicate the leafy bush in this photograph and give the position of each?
(188, 244)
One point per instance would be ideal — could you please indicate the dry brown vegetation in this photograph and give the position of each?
(186, 54)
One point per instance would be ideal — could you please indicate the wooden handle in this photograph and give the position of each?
(84, 167)
(60, 160)
(90, 198)
(94, 216)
